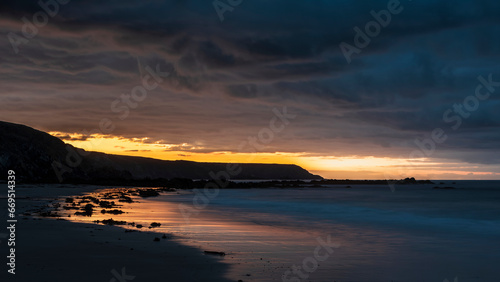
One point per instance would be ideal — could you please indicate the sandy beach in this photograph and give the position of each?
(58, 250)
(250, 141)
(415, 234)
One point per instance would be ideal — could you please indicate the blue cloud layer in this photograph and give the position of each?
(225, 77)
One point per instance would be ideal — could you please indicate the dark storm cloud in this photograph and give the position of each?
(225, 77)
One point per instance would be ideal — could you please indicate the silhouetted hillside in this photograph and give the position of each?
(36, 156)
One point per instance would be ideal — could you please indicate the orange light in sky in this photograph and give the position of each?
(158, 150)
(353, 167)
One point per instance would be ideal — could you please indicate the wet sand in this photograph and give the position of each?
(417, 234)
(50, 249)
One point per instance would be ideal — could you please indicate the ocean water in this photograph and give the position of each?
(415, 233)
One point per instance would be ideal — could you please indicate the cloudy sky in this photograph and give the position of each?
(220, 76)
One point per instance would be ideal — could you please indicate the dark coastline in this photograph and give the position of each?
(185, 183)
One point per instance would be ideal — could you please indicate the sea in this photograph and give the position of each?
(333, 233)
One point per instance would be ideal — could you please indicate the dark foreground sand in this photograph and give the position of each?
(58, 250)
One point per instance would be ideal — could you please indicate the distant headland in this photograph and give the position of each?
(38, 157)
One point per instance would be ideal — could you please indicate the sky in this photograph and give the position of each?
(346, 89)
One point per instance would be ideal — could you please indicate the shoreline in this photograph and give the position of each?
(100, 249)
(50, 249)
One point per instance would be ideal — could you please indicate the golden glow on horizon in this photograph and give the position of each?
(359, 163)
(140, 147)
(354, 167)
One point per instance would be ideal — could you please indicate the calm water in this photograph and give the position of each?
(413, 234)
